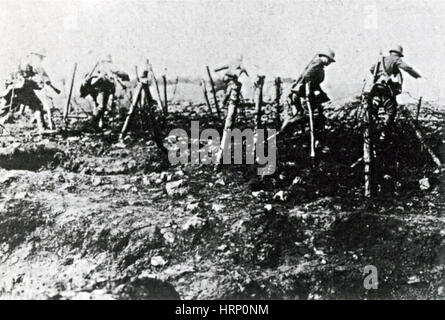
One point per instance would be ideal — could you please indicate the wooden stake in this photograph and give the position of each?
(278, 92)
(259, 100)
(68, 102)
(137, 73)
(174, 90)
(311, 123)
(420, 136)
(136, 98)
(367, 148)
(150, 68)
(218, 112)
(164, 79)
(419, 104)
(206, 96)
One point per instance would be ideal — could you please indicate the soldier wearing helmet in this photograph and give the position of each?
(101, 86)
(25, 89)
(307, 86)
(388, 84)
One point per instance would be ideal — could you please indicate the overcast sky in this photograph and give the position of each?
(276, 38)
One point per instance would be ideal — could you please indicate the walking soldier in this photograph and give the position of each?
(387, 85)
(100, 84)
(20, 90)
(307, 87)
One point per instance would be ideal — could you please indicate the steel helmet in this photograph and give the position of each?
(329, 53)
(397, 49)
(40, 53)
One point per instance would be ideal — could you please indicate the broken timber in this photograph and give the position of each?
(218, 112)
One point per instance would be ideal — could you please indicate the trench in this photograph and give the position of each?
(28, 157)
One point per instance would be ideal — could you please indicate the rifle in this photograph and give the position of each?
(68, 102)
(92, 71)
(53, 87)
(300, 78)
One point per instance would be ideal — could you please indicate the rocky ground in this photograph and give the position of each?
(83, 217)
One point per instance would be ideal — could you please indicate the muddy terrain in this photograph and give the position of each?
(83, 217)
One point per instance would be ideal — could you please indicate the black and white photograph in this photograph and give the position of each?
(213, 150)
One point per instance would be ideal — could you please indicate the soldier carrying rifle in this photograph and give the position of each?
(307, 87)
(387, 85)
(21, 89)
(100, 84)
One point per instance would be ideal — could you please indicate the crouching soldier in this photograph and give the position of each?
(307, 87)
(20, 91)
(100, 84)
(387, 84)
(233, 93)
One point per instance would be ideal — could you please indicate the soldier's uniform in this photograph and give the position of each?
(311, 79)
(101, 86)
(388, 84)
(22, 88)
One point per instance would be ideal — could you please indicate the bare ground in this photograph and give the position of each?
(82, 218)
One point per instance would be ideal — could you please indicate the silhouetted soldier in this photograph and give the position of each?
(31, 76)
(308, 87)
(101, 86)
(388, 84)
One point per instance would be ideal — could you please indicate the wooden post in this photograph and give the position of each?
(137, 73)
(278, 92)
(206, 96)
(419, 136)
(136, 98)
(311, 123)
(154, 124)
(150, 68)
(214, 93)
(164, 79)
(367, 147)
(68, 101)
(259, 83)
(174, 90)
(419, 104)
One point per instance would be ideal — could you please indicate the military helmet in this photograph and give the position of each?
(397, 49)
(40, 53)
(329, 53)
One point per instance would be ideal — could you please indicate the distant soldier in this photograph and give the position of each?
(31, 77)
(100, 84)
(387, 85)
(308, 87)
(233, 92)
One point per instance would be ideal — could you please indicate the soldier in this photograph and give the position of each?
(30, 77)
(35, 60)
(308, 87)
(101, 86)
(387, 85)
(233, 91)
